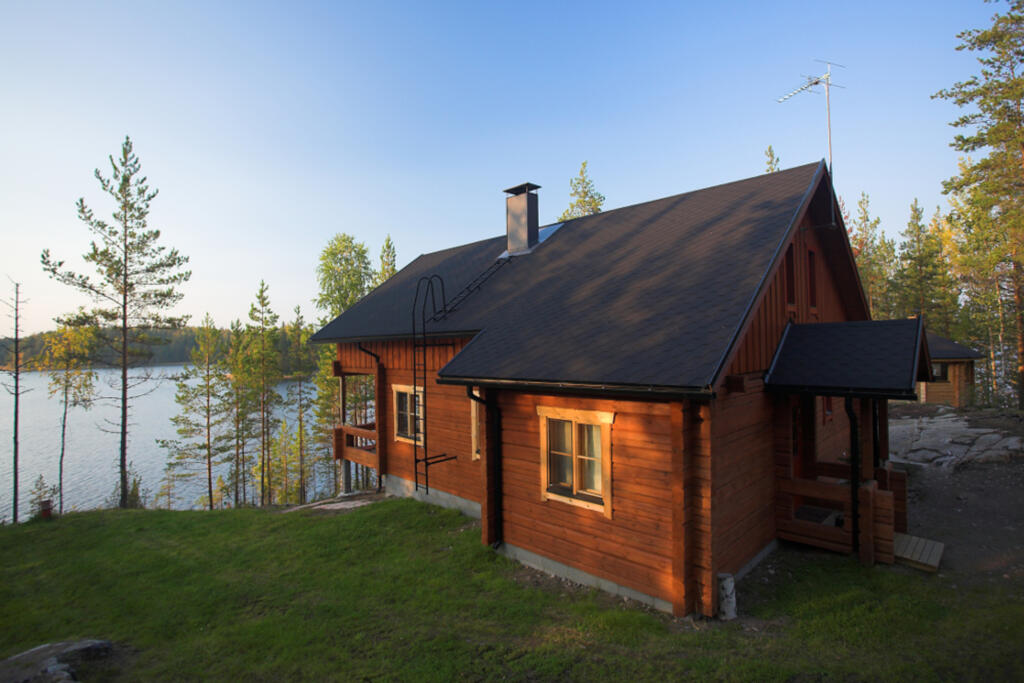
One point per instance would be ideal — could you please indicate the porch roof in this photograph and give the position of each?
(866, 359)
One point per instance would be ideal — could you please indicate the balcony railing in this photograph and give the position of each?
(357, 443)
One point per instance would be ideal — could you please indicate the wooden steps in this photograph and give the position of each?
(919, 553)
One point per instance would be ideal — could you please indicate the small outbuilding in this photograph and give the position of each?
(952, 373)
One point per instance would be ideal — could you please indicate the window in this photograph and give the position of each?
(575, 457)
(474, 426)
(940, 372)
(812, 280)
(408, 409)
(790, 278)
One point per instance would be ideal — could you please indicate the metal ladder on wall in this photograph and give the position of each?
(425, 309)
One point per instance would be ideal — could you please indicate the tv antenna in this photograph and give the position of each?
(826, 80)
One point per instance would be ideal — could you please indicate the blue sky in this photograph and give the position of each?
(269, 127)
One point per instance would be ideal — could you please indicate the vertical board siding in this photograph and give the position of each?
(762, 336)
(448, 414)
(634, 547)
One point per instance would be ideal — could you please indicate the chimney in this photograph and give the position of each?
(521, 209)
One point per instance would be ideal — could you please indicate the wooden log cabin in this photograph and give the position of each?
(643, 398)
(952, 373)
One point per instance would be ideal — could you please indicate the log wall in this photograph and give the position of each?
(634, 548)
(958, 391)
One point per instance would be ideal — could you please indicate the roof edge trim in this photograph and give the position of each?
(393, 337)
(648, 389)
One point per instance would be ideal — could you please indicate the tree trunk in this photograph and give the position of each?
(209, 441)
(63, 434)
(124, 364)
(302, 466)
(17, 397)
(1018, 305)
(1003, 375)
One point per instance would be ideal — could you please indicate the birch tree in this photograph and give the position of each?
(71, 380)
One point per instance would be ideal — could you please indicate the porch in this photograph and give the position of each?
(358, 437)
(835, 486)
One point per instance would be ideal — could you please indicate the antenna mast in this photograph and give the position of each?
(826, 80)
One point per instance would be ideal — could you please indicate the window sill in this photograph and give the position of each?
(586, 503)
(408, 440)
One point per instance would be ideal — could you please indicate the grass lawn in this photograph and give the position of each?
(402, 590)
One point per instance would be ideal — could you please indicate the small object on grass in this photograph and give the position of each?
(726, 597)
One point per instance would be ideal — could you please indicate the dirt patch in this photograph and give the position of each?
(977, 511)
(1009, 421)
(899, 411)
(339, 505)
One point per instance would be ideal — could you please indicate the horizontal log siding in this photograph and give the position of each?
(634, 547)
(742, 433)
(448, 414)
(956, 392)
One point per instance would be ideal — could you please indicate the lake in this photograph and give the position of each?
(93, 443)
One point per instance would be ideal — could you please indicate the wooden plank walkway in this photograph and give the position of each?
(919, 553)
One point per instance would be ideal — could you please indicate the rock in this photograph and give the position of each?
(1011, 443)
(924, 455)
(52, 662)
(986, 441)
(992, 456)
(902, 434)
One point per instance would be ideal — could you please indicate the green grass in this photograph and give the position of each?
(402, 590)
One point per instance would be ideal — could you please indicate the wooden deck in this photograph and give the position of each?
(919, 553)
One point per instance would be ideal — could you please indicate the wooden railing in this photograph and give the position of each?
(357, 443)
(832, 496)
(876, 511)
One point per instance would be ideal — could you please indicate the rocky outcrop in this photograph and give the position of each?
(947, 440)
(52, 662)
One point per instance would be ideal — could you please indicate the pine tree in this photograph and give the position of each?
(136, 285)
(66, 356)
(300, 391)
(388, 261)
(266, 373)
(588, 200)
(242, 404)
(202, 439)
(771, 161)
(995, 125)
(923, 284)
(875, 255)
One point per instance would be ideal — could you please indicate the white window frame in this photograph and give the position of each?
(577, 417)
(397, 389)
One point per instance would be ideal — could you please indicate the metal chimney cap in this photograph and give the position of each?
(521, 189)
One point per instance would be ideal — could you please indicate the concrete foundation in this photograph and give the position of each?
(403, 487)
(549, 566)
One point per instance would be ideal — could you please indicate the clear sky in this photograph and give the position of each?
(268, 127)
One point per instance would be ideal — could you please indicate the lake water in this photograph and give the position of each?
(93, 443)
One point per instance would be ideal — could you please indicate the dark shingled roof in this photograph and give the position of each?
(868, 358)
(650, 295)
(941, 348)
